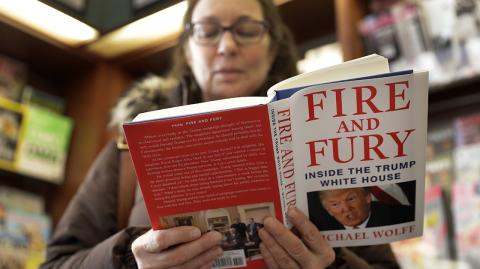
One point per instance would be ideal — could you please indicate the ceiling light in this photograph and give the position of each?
(45, 20)
(159, 28)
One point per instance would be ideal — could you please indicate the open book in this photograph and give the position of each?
(345, 144)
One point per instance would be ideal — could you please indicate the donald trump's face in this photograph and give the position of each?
(348, 206)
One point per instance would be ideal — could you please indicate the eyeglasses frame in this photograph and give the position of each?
(190, 26)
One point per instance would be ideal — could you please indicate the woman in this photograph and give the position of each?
(229, 48)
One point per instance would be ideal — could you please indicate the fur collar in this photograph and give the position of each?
(150, 93)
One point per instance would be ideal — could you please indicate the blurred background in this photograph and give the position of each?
(63, 63)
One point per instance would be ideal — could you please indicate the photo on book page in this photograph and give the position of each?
(239, 226)
(370, 211)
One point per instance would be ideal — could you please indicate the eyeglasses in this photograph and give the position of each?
(244, 32)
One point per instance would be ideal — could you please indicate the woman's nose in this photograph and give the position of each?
(227, 44)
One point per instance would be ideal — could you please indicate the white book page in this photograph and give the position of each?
(368, 65)
(357, 164)
(200, 108)
(365, 66)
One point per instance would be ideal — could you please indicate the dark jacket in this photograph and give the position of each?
(87, 234)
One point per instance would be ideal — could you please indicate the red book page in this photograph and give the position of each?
(207, 170)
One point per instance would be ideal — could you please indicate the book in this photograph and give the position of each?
(34, 140)
(439, 156)
(23, 239)
(43, 148)
(33, 97)
(11, 125)
(12, 77)
(21, 200)
(354, 129)
(410, 31)
(467, 148)
(467, 130)
(379, 35)
(466, 205)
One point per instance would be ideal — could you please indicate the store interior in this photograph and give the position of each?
(56, 91)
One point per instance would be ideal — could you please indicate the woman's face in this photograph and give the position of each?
(227, 69)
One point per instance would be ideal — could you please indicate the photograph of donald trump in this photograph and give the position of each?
(354, 208)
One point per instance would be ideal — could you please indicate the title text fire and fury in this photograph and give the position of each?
(351, 133)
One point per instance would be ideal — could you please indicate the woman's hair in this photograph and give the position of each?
(282, 43)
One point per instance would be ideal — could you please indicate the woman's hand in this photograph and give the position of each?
(281, 248)
(178, 248)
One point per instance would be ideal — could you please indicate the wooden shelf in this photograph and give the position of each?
(455, 98)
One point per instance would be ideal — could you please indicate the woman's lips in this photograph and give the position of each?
(228, 74)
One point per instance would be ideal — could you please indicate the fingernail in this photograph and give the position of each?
(219, 251)
(261, 246)
(268, 221)
(261, 231)
(218, 237)
(195, 233)
(292, 211)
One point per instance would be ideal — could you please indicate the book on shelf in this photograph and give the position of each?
(439, 156)
(379, 35)
(23, 238)
(410, 30)
(34, 140)
(467, 147)
(466, 217)
(11, 122)
(33, 97)
(395, 31)
(12, 78)
(318, 139)
(43, 149)
(21, 200)
(467, 130)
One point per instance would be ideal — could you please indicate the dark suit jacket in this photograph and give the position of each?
(381, 215)
(241, 229)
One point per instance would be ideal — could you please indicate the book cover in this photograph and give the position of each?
(466, 205)
(379, 35)
(21, 200)
(467, 148)
(43, 148)
(410, 31)
(346, 147)
(11, 126)
(436, 233)
(208, 170)
(12, 78)
(33, 97)
(467, 130)
(439, 155)
(23, 239)
(238, 160)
